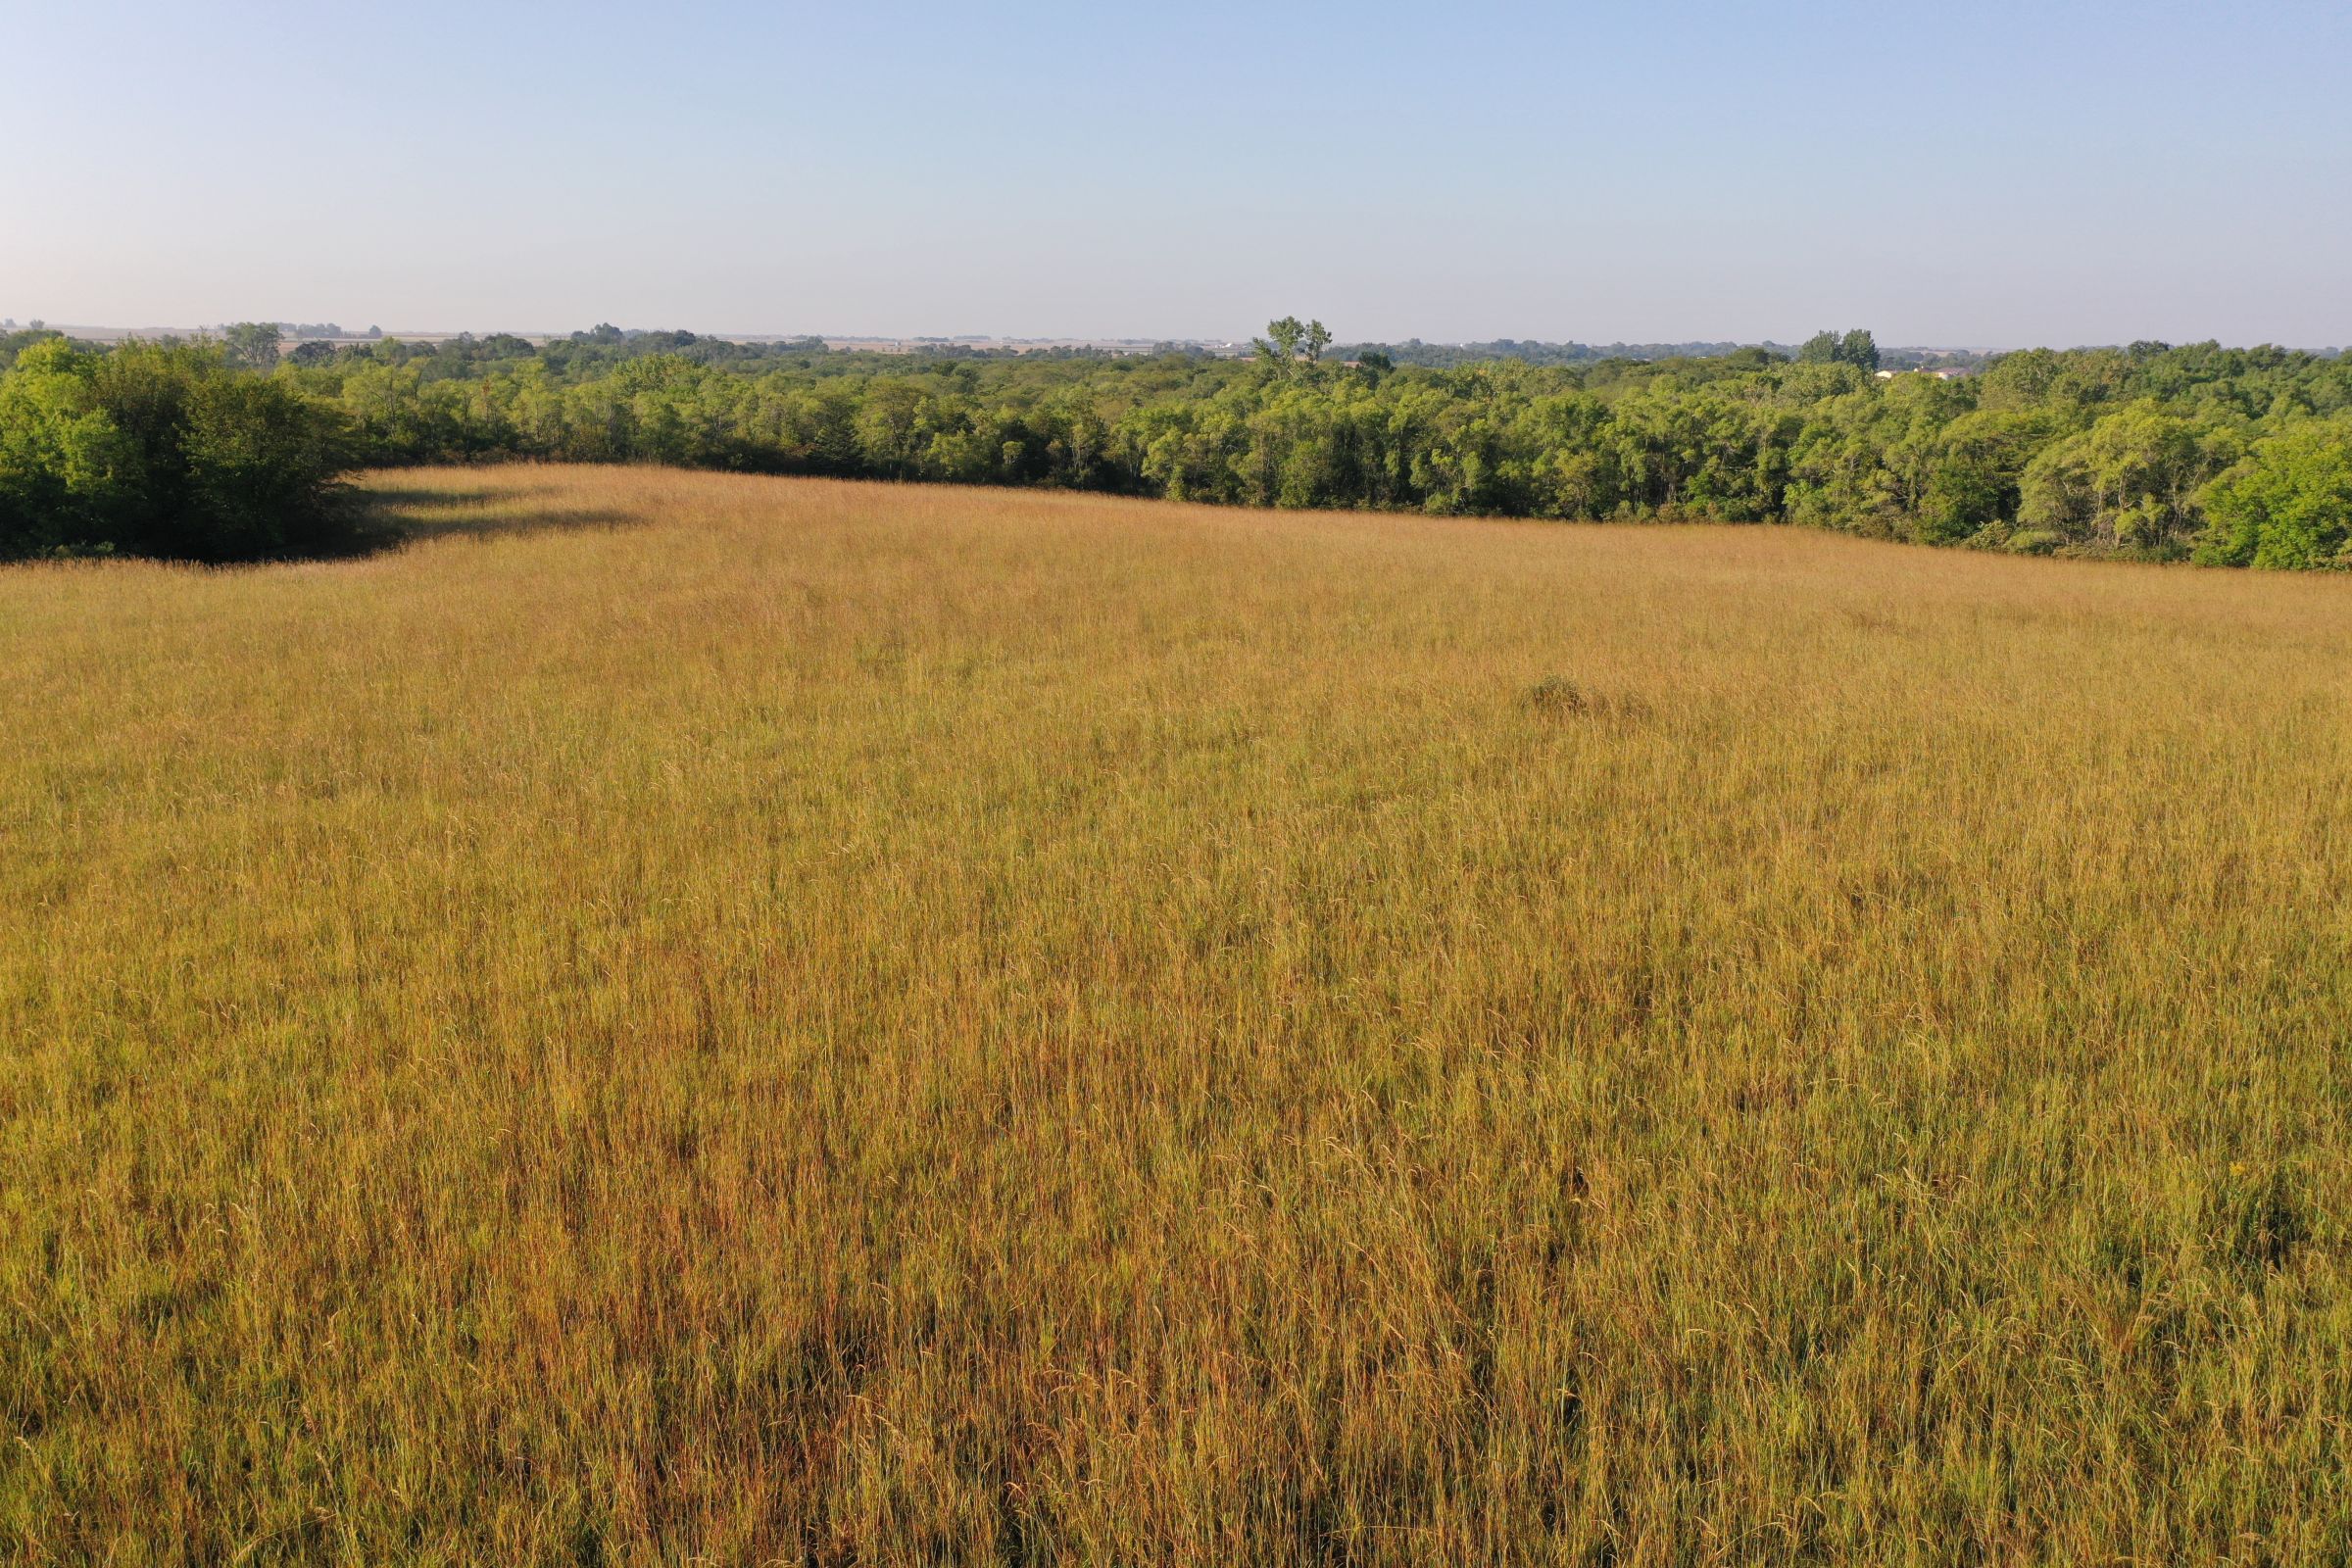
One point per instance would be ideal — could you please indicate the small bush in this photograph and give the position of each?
(1562, 697)
(2254, 1220)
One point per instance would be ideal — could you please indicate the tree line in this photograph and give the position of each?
(2240, 457)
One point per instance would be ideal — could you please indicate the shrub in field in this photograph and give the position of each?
(1559, 696)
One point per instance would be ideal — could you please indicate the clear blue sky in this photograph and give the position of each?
(1989, 173)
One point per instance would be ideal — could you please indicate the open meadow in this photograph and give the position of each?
(786, 1021)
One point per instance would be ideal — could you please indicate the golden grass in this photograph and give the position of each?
(789, 1021)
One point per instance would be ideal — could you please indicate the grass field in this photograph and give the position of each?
(683, 1015)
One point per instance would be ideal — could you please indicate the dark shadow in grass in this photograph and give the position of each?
(369, 520)
(353, 521)
(405, 495)
(1557, 697)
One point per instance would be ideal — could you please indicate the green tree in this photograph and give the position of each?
(161, 450)
(2130, 482)
(1279, 346)
(251, 345)
(66, 472)
(2287, 505)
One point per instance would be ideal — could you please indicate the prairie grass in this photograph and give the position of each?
(684, 1017)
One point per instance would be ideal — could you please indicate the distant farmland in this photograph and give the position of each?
(783, 1020)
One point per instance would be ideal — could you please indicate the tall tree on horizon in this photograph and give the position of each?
(251, 345)
(1289, 342)
(1279, 346)
(1856, 347)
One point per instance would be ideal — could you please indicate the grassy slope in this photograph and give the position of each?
(954, 1024)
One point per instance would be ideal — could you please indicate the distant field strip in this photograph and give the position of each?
(787, 1021)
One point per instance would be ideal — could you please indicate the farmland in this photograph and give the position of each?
(797, 1021)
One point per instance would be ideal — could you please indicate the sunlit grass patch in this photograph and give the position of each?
(678, 1015)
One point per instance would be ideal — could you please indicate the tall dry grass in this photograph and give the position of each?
(780, 1021)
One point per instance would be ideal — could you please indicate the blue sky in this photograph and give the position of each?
(1986, 173)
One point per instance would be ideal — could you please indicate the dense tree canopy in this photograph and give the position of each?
(2229, 456)
(160, 450)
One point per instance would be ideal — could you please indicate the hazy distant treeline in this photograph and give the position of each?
(1450, 356)
(2227, 455)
